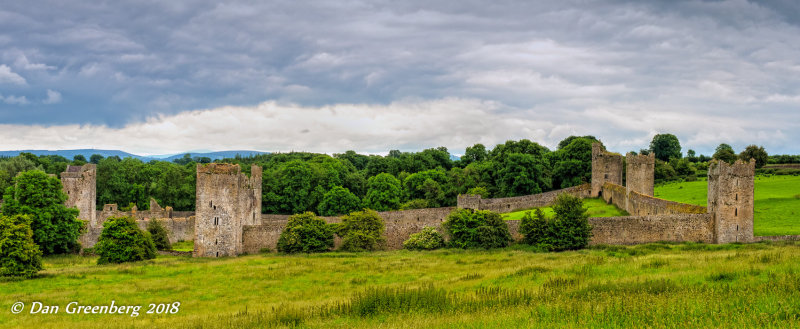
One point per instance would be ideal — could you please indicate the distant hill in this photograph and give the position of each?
(69, 154)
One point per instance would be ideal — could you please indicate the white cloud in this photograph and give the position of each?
(53, 97)
(455, 123)
(23, 62)
(8, 76)
(14, 100)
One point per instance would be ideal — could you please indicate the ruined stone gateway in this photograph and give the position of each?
(228, 220)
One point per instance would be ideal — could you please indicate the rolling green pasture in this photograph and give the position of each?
(777, 201)
(653, 285)
(595, 207)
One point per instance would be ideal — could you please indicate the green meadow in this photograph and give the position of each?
(595, 207)
(777, 201)
(653, 285)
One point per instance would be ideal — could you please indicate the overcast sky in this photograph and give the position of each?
(154, 77)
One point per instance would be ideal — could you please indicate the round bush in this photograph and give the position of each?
(122, 241)
(306, 233)
(362, 231)
(568, 230)
(427, 239)
(534, 228)
(19, 255)
(159, 235)
(470, 228)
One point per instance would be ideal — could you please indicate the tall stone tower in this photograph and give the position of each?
(640, 173)
(606, 167)
(226, 200)
(730, 199)
(80, 185)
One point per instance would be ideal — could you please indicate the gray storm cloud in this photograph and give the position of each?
(707, 71)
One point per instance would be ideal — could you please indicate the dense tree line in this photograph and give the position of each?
(298, 182)
(329, 185)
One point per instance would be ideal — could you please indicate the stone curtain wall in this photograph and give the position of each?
(615, 194)
(399, 226)
(178, 228)
(520, 202)
(647, 229)
(644, 205)
(638, 204)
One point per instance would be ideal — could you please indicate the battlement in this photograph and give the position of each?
(219, 169)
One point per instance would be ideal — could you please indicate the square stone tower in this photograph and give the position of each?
(226, 200)
(606, 167)
(730, 199)
(640, 173)
(80, 185)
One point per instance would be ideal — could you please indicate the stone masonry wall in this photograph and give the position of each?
(646, 229)
(645, 205)
(519, 202)
(616, 195)
(399, 226)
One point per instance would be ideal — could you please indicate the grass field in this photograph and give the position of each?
(777, 201)
(654, 285)
(595, 207)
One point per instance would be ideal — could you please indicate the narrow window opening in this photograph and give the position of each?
(737, 197)
(737, 228)
(215, 207)
(217, 253)
(210, 204)
(605, 176)
(736, 212)
(216, 241)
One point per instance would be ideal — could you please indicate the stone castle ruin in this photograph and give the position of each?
(228, 219)
(227, 200)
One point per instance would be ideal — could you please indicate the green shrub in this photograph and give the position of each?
(469, 228)
(159, 234)
(55, 227)
(362, 231)
(19, 255)
(122, 241)
(568, 230)
(533, 228)
(427, 239)
(414, 204)
(306, 233)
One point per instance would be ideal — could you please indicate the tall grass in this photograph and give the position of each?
(662, 285)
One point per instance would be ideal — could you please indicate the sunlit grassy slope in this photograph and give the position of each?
(777, 201)
(595, 207)
(653, 286)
